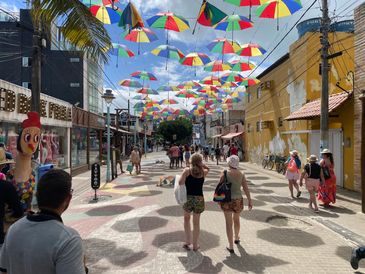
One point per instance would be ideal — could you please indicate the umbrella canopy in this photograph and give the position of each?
(228, 85)
(139, 105)
(249, 82)
(232, 77)
(144, 75)
(208, 89)
(210, 15)
(106, 15)
(251, 50)
(168, 88)
(211, 80)
(245, 3)
(140, 97)
(99, 2)
(238, 65)
(168, 21)
(131, 18)
(181, 112)
(186, 94)
(121, 50)
(168, 102)
(147, 90)
(232, 100)
(130, 83)
(234, 22)
(168, 51)
(140, 35)
(195, 59)
(189, 85)
(223, 46)
(217, 65)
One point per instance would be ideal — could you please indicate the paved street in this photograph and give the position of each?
(137, 227)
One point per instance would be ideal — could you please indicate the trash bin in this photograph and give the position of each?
(43, 169)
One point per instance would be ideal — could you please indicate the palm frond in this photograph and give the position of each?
(77, 25)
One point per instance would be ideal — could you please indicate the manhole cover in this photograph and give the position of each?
(284, 221)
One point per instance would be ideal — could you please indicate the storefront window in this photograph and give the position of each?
(79, 147)
(94, 146)
(53, 146)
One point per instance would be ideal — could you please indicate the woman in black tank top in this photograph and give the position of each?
(193, 178)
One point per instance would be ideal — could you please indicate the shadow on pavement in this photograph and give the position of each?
(206, 266)
(245, 262)
(273, 199)
(145, 193)
(289, 237)
(109, 210)
(144, 224)
(344, 252)
(174, 211)
(289, 210)
(257, 190)
(274, 185)
(341, 210)
(259, 178)
(207, 240)
(258, 215)
(104, 249)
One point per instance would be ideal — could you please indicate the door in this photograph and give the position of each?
(335, 145)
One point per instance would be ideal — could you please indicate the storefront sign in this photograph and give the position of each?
(95, 176)
(10, 101)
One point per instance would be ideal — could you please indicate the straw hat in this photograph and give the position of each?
(326, 151)
(312, 158)
(3, 160)
(294, 152)
(233, 161)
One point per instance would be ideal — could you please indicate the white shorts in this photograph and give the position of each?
(292, 175)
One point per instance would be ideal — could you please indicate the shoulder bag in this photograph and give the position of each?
(222, 192)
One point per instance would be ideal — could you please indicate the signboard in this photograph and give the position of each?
(124, 117)
(95, 176)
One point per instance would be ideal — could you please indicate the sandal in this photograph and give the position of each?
(186, 247)
(237, 242)
(230, 250)
(196, 249)
(299, 193)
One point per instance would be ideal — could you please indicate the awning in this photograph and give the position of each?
(312, 109)
(216, 136)
(232, 135)
(120, 130)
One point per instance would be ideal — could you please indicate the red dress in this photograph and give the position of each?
(327, 191)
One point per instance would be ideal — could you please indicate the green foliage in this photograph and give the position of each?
(182, 128)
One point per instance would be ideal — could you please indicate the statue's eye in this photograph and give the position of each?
(27, 137)
(36, 138)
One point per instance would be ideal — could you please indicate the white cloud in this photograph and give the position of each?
(11, 7)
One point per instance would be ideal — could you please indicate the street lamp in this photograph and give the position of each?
(145, 138)
(108, 97)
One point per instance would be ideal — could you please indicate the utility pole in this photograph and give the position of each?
(36, 63)
(362, 160)
(325, 23)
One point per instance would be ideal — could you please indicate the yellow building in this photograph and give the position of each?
(282, 112)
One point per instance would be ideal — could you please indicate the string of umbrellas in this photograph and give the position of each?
(213, 94)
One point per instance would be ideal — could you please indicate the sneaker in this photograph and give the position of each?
(354, 259)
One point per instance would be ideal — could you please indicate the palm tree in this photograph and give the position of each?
(78, 27)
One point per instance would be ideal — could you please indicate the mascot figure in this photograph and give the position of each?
(22, 176)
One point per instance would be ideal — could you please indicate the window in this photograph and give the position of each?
(26, 85)
(26, 62)
(74, 85)
(259, 92)
(280, 121)
(248, 97)
(258, 126)
(74, 60)
(248, 127)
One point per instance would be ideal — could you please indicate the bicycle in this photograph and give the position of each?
(268, 161)
(265, 161)
(280, 164)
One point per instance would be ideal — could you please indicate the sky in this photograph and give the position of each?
(264, 33)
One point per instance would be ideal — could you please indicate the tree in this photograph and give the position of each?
(78, 27)
(180, 128)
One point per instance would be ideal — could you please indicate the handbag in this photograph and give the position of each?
(130, 167)
(180, 191)
(222, 192)
(326, 172)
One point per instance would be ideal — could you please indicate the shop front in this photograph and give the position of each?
(236, 136)
(86, 140)
(55, 118)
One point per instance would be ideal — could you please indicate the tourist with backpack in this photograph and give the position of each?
(293, 172)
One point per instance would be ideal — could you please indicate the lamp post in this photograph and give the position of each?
(108, 97)
(145, 126)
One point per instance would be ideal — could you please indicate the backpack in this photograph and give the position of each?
(292, 166)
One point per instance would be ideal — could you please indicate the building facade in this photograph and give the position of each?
(283, 111)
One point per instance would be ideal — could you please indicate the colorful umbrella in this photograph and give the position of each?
(207, 89)
(211, 80)
(251, 50)
(186, 94)
(139, 97)
(168, 88)
(130, 83)
(238, 65)
(209, 15)
(130, 18)
(121, 50)
(139, 105)
(168, 21)
(228, 85)
(168, 52)
(234, 22)
(276, 9)
(249, 82)
(189, 85)
(147, 90)
(99, 2)
(232, 100)
(168, 102)
(245, 3)
(217, 66)
(140, 35)
(106, 15)
(195, 59)
(144, 75)
(232, 77)
(223, 46)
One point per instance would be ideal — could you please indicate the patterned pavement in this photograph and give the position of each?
(137, 227)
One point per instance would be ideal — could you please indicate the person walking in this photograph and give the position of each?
(233, 150)
(206, 153)
(292, 172)
(225, 151)
(187, 155)
(9, 157)
(40, 242)
(218, 154)
(233, 209)
(357, 255)
(118, 159)
(327, 191)
(181, 155)
(313, 175)
(193, 177)
(136, 160)
(174, 150)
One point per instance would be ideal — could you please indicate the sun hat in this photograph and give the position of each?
(3, 160)
(294, 152)
(312, 158)
(326, 151)
(233, 161)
